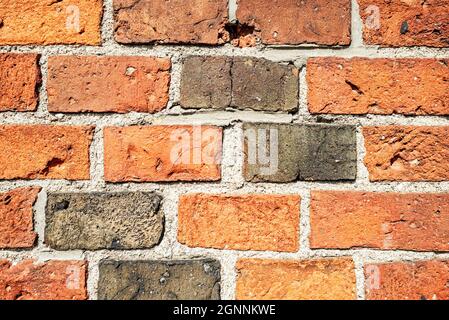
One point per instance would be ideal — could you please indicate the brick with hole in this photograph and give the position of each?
(16, 218)
(290, 22)
(405, 23)
(45, 152)
(176, 21)
(46, 22)
(387, 221)
(240, 222)
(420, 280)
(162, 153)
(51, 280)
(407, 153)
(378, 86)
(318, 279)
(20, 78)
(107, 84)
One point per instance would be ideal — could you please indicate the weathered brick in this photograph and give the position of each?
(16, 218)
(299, 152)
(239, 82)
(107, 84)
(378, 86)
(298, 22)
(176, 21)
(407, 153)
(45, 152)
(159, 280)
(399, 23)
(163, 153)
(52, 280)
(45, 22)
(353, 219)
(321, 279)
(421, 280)
(240, 222)
(20, 78)
(93, 221)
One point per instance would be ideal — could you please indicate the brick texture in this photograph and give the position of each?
(378, 86)
(107, 84)
(162, 153)
(407, 153)
(355, 219)
(44, 22)
(20, 79)
(400, 23)
(246, 222)
(298, 22)
(323, 279)
(16, 218)
(52, 280)
(177, 21)
(421, 280)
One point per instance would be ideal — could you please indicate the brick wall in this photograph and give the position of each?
(237, 150)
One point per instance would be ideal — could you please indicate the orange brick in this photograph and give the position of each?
(44, 22)
(20, 78)
(107, 84)
(348, 219)
(407, 153)
(52, 280)
(246, 222)
(162, 153)
(323, 279)
(45, 152)
(423, 280)
(378, 86)
(16, 218)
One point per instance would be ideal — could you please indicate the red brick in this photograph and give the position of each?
(400, 23)
(16, 218)
(45, 152)
(44, 22)
(407, 153)
(422, 280)
(107, 84)
(240, 222)
(322, 279)
(349, 219)
(20, 79)
(378, 86)
(298, 22)
(52, 280)
(162, 153)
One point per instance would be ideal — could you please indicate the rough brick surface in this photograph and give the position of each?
(298, 22)
(400, 23)
(159, 280)
(378, 86)
(162, 153)
(45, 152)
(177, 21)
(407, 153)
(246, 222)
(107, 84)
(422, 280)
(45, 22)
(351, 219)
(96, 221)
(20, 79)
(240, 82)
(16, 218)
(299, 152)
(323, 279)
(52, 280)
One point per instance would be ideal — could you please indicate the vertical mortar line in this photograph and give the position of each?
(93, 274)
(107, 23)
(170, 208)
(228, 275)
(96, 155)
(356, 26)
(232, 7)
(175, 80)
(304, 221)
(232, 156)
(42, 108)
(39, 217)
(303, 92)
(359, 276)
(362, 171)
